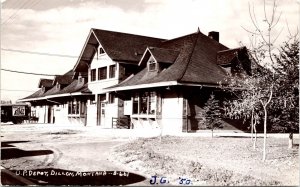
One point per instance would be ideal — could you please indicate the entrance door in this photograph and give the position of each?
(50, 114)
(101, 99)
(102, 115)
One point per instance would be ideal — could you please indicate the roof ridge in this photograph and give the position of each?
(179, 37)
(190, 56)
(231, 49)
(128, 33)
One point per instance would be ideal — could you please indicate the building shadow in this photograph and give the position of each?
(11, 153)
(7, 143)
(52, 176)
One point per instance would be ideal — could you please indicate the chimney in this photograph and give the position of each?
(214, 35)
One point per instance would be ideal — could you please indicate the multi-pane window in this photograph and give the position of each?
(102, 73)
(76, 107)
(144, 103)
(93, 74)
(112, 71)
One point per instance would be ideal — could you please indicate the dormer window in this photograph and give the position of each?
(57, 86)
(152, 64)
(101, 50)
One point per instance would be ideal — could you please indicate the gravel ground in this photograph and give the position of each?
(48, 147)
(213, 161)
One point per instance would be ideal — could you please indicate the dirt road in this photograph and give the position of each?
(32, 147)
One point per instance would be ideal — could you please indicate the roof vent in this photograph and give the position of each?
(214, 35)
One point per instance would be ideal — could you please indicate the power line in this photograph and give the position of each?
(38, 53)
(30, 73)
(23, 6)
(13, 71)
(12, 16)
(17, 90)
(46, 54)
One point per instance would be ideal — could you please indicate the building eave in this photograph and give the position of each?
(56, 96)
(141, 86)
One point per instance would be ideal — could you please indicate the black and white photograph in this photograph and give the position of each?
(150, 92)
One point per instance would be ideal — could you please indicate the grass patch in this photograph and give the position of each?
(217, 161)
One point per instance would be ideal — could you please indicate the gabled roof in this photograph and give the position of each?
(64, 79)
(45, 83)
(36, 94)
(224, 57)
(161, 55)
(75, 86)
(122, 47)
(196, 63)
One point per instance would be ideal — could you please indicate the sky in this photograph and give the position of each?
(60, 28)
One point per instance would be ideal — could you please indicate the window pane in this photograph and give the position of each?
(135, 104)
(144, 103)
(83, 107)
(152, 66)
(77, 107)
(111, 98)
(152, 103)
(69, 107)
(74, 107)
(93, 74)
(102, 97)
(102, 73)
(101, 51)
(112, 71)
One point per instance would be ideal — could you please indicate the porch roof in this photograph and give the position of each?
(75, 88)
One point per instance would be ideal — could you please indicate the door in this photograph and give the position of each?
(50, 115)
(102, 115)
(101, 102)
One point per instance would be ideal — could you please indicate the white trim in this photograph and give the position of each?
(54, 96)
(160, 84)
(83, 49)
(151, 85)
(143, 56)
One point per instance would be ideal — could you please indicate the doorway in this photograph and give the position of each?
(101, 104)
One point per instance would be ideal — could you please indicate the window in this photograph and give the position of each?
(69, 107)
(102, 73)
(101, 50)
(135, 103)
(111, 98)
(112, 71)
(83, 105)
(144, 103)
(152, 103)
(93, 74)
(74, 107)
(152, 64)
